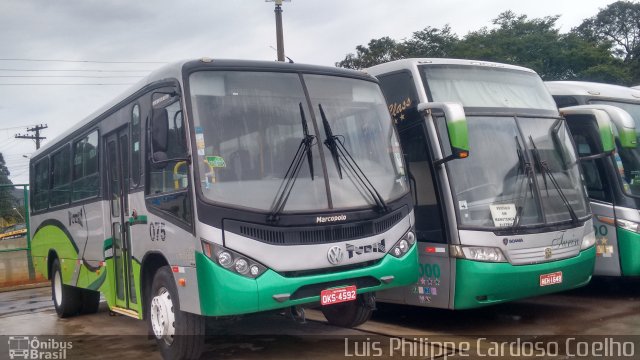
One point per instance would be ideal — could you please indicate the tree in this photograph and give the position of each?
(376, 52)
(618, 27)
(7, 201)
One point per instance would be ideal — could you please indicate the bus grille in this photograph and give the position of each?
(319, 234)
(537, 255)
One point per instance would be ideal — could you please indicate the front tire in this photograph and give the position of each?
(66, 299)
(349, 314)
(179, 335)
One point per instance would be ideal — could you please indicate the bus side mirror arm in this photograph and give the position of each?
(457, 129)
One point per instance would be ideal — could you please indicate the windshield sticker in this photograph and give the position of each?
(216, 161)
(602, 249)
(503, 215)
(199, 130)
(200, 145)
(462, 205)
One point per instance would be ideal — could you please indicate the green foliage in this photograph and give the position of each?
(586, 53)
(7, 200)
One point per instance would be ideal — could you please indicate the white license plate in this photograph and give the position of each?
(338, 295)
(551, 279)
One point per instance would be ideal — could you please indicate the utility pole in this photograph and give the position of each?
(36, 129)
(279, 31)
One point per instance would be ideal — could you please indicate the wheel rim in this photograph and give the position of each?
(162, 316)
(57, 288)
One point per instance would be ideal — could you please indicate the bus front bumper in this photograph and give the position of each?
(483, 283)
(223, 292)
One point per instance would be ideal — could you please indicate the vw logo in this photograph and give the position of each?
(548, 253)
(335, 255)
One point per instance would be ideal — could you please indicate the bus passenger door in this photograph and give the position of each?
(432, 288)
(117, 175)
(598, 186)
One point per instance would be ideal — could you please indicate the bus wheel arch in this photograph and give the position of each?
(151, 262)
(178, 334)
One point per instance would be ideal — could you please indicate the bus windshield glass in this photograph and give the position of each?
(627, 160)
(520, 168)
(484, 86)
(248, 127)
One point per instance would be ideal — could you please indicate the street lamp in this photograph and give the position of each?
(279, 35)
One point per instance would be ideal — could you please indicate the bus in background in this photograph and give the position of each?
(613, 182)
(501, 212)
(219, 187)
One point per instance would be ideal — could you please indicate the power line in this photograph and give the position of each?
(75, 70)
(84, 61)
(70, 76)
(15, 127)
(89, 84)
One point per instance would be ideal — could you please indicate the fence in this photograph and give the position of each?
(16, 266)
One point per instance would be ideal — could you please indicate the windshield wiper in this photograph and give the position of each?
(544, 168)
(282, 195)
(524, 167)
(338, 150)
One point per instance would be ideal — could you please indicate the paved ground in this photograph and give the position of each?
(604, 308)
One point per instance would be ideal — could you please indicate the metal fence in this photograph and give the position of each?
(16, 265)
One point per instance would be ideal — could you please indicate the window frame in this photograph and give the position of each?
(74, 180)
(58, 151)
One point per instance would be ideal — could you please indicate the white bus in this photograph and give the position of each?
(501, 211)
(220, 187)
(613, 182)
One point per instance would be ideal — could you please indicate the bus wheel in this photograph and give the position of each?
(352, 313)
(180, 335)
(66, 299)
(90, 301)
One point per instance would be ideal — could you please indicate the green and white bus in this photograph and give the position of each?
(219, 187)
(613, 182)
(501, 211)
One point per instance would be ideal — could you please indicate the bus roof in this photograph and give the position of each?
(414, 62)
(174, 71)
(592, 89)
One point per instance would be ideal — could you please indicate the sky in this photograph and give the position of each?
(107, 45)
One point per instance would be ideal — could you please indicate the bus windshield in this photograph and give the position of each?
(248, 127)
(627, 160)
(520, 168)
(484, 86)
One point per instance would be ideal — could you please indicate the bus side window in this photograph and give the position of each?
(564, 101)
(86, 179)
(597, 186)
(61, 177)
(40, 198)
(135, 146)
(168, 182)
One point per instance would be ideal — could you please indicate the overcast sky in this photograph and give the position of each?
(147, 33)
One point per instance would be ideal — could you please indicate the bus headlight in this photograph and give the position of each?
(628, 225)
(232, 260)
(403, 245)
(478, 253)
(588, 241)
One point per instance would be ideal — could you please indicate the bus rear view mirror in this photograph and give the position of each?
(613, 122)
(457, 130)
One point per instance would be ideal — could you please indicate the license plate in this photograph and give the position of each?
(551, 279)
(338, 295)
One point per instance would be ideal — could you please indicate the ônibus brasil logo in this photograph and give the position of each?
(25, 347)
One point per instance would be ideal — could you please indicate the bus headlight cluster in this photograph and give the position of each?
(232, 260)
(403, 245)
(588, 241)
(478, 253)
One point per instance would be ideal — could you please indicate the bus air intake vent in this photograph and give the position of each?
(269, 236)
(314, 234)
(388, 222)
